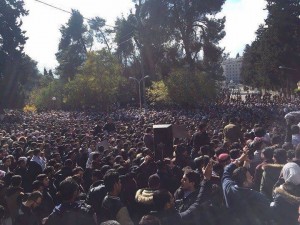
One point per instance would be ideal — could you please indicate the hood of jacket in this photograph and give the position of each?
(272, 167)
(291, 193)
(144, 196)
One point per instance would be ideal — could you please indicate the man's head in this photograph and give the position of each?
(44, 179)
(232, 120)
(279, 156)
(267, 153)
(112, 182)
(242, 177)
(163, 200)
(202, 126)
(6, 161)
(16, 181)
(149, 220)
(68, 189)
(22, 161)
(36, 152)
(190, 181)
(154, 181)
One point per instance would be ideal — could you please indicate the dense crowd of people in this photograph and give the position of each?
(239, 164)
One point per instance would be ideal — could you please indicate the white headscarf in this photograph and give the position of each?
(291, 173)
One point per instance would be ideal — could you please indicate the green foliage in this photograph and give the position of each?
(12, 58)
(170, 34)
(48, 97)
(98, 82)
(97, 31)
(190, 89)
(183, 88)
(158, 93)
(72, 47)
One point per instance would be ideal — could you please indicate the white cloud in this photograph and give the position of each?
(242, 20)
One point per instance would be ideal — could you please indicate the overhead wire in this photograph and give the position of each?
(63, 10)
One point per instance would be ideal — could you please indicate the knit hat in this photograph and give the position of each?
(291, 173)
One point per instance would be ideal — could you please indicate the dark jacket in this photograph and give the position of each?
(194, 214)
(200, 209)
(258, 174)
(149, 141)
(286, 203)
(269, 178)
(95, 198)
(71, 214)
(168, 217)
(200, 139)
(34, 169)
(25, 216)
(47, 205)
(183, 203)
(23, 172)
(114, 209)
(13, 199)
(248, 206)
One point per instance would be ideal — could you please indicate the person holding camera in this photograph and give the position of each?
(247, 206)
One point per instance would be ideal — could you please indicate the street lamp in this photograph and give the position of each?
(287, 79)
(286, 68)
(53, 100)
(139, 84)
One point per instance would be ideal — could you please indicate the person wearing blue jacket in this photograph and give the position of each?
(247, 206)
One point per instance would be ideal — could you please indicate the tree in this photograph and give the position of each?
(181, 89)
(170, 33)
(45, 72)
(96, 29)
(42, 97)
(158, 93)
(97, 84)
(12, 41)
(72, 47)
(196, 29)
(51, 74)
(277, 44)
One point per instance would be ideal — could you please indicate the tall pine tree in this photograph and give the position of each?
(72, 47)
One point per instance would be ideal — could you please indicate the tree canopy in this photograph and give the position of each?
(272, 60)
(72, 46)
(18, 72)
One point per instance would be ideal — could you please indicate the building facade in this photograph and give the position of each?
(232, 69)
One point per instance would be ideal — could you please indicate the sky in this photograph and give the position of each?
(43, 22)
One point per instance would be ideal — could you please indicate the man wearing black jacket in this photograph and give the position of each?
(186, 195)
(200, 138)
(70, 212)
(166, 212)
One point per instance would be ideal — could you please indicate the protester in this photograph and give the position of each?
(25, 214)
(287, 196)
(112, 207)
(70, 211)
(47, 148)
